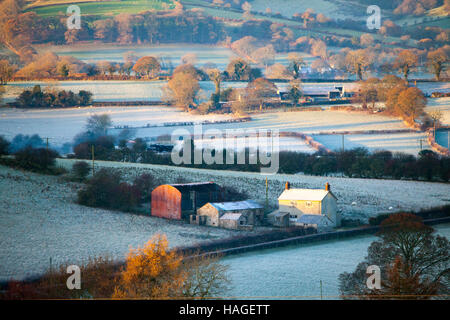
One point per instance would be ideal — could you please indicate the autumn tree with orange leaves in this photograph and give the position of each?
(155, 272)
(414, 263)
(151, 272)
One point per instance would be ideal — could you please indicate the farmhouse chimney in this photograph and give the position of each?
(327, 186)
(288, 186)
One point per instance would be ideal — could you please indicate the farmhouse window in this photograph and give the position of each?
(308, 203)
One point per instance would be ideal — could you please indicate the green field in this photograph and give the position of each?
(106, 8)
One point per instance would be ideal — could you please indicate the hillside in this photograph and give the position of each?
(101, 8)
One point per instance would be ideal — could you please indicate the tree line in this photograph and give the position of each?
(356, 163)
(52, 98)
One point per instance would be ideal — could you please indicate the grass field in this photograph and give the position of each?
(103, 8)
(330, 8)
(40, 210)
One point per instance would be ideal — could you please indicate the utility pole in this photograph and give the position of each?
(93, 160)
(271, 135)
(46, 143)
(343, 146)
(434, 131)
(267, 193)
(321, 293)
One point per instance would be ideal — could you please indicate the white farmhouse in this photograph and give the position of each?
(307, 207)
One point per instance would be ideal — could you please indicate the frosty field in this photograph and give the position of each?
(62, 125)
(441, 104)
(408, 142)
(39, 221)
(172, 53)
(328, 7)
(295, 272)
(357, 198)
(263, 144)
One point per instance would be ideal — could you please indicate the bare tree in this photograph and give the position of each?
(358, 62)
(206, 277)
(183, 89)
(98, 124)
(296, 63)
(437, 61)
(405, 62)
(6, 72)
(264, 56)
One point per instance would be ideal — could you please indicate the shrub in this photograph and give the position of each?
(39, 159)
(106, 190)
(233, 194)
(36, 98)
(80, 170)
(104, 149)
(375, 221)
(145, 183)
(21, 141)
(4, 146)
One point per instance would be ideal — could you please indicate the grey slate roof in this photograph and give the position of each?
(236, 205)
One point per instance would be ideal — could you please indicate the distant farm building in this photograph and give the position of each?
(321, 95)
(306, 207)
(178, 201)
(230, 215)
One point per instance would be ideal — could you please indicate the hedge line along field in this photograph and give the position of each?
(357, 198)
(115, 90)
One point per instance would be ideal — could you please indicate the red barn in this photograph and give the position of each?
(178, 201)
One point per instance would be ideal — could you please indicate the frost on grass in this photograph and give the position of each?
(357, 198)
(39, 220)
